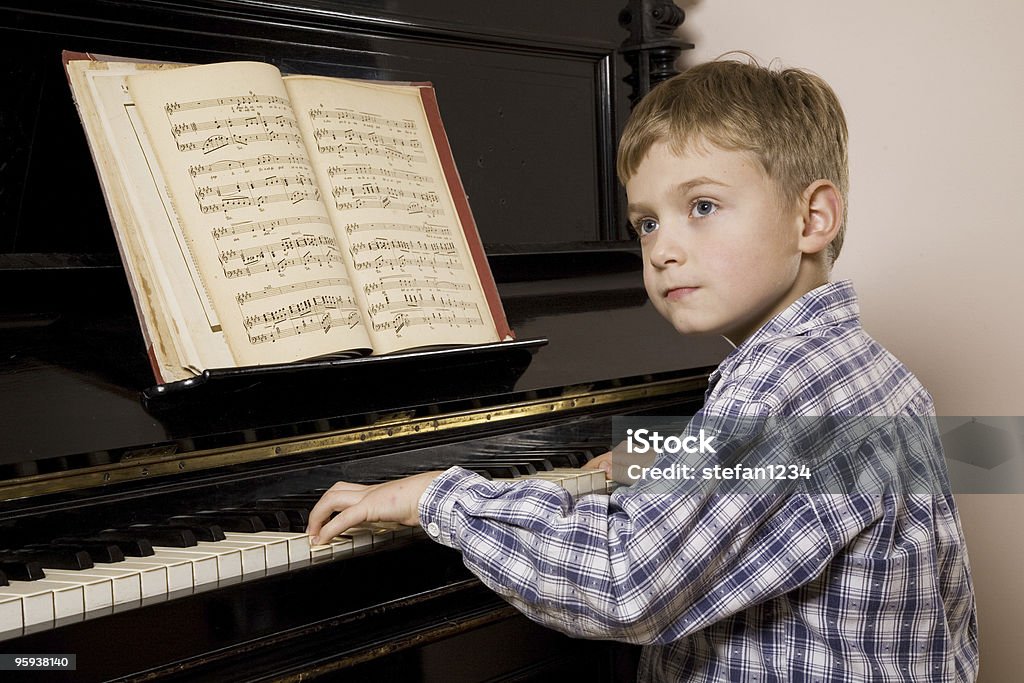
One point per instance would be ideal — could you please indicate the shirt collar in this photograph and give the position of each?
(824, 306)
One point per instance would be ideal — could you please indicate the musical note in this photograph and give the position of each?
(264, 227)
(245, 100)
(253, 162)
(269, 291)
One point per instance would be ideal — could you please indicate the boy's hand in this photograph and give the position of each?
(601, 462)
(394, 501)
(616, 463)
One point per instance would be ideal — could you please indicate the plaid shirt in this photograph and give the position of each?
(806, 586)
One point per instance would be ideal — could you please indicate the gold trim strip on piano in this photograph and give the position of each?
(158, 463)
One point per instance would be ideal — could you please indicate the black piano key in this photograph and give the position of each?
(161, 535)
(496, 471)
(104, 553)
(22, 570)
(539, 464)
(557, 458)
(52, 557)
(298, 516)
(521, 467)
(3, 579)
(203, 531)
(273, 520)
(240, 523)
(131, 546)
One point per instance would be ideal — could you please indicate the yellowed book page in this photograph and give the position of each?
(243, 189)
(178, 322)
(371, 149)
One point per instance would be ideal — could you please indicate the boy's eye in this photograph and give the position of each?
(702, 208)
(645, 226)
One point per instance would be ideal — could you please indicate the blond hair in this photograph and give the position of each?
(790, 120)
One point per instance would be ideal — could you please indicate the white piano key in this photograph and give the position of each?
(11, 615)
(68, 598)
(275, 548)
(229, 559)
(152, 577)
(204, 565)
(341, 546)
(126, 585)
(581, 479)
(319, 553)
(597, 479)
(361, 537)
(568, 483)
(179, 571)
(254, 559)
(397, 530)
(98, 590)
(37, 601)
(296, 545)
(380, 536)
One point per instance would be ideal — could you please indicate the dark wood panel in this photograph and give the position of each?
(532, 116)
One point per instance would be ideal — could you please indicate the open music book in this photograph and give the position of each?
(267, 219)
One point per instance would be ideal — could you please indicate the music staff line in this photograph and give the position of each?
(425, 228)
(359, 149)
(402, 261)
(259, 201)
(265, 227)
(373, 138)
(270, 291)
(256, 119)
(216, 142)
(366, 118)
(314, 305)
(383, 190)
(407, 246)
(402, 283)
(234, 189)
(306, 325)
(402, 320)
(418, 303)
(259, 252)
(306, 260)
(248, 100)
(252, 162)
(362, 170)
(410, 207)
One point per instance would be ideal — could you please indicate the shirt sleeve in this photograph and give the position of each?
(643, 565)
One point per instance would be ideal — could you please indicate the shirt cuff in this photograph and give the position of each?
(437, 504)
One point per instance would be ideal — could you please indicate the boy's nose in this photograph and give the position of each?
(667, 249)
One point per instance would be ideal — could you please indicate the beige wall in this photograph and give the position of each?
(933, 97)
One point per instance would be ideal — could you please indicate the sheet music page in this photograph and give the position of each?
(167, 287)
(371, 148)
(243, 189)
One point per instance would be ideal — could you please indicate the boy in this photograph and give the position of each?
(737, 182)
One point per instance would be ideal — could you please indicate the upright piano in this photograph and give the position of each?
(95, 459)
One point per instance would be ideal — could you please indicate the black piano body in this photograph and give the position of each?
(532, 99)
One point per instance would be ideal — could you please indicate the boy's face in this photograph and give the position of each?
(720, 251)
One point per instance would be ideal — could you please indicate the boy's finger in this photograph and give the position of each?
(329, 503)
(344, 520)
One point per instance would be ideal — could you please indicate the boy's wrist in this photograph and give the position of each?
(438, 501)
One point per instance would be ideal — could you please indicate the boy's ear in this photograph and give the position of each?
(823, 216)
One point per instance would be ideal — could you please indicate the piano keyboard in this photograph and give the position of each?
(72, 579)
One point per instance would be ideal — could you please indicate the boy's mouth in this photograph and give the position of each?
(679, 293)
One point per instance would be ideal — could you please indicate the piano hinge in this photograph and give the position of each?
(152, 452)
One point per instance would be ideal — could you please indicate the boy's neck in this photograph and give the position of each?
(811, 274)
